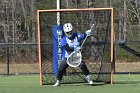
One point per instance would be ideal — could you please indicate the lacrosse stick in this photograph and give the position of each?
(87, 36)
(75, 58)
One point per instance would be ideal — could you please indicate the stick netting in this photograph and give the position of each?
(96, 50)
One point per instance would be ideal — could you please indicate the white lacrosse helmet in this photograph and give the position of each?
(67, 27)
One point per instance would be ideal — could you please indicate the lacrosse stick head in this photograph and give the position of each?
(74, 59)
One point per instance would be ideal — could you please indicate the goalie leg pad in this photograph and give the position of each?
(84, 68)
(62, 69)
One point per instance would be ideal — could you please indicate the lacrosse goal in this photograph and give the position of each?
(97, 50)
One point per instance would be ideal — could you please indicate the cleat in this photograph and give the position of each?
(88, 78)
(58, 83)
(90, 82)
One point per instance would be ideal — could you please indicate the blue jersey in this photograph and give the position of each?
(69, 44)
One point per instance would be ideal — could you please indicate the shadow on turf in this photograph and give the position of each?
(127, 82)
(85, 84)
(96, 84)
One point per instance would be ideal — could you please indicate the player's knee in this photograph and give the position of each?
(62, 66)
(82, 64)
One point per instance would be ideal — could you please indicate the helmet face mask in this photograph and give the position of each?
(69, 34)
(68, 29)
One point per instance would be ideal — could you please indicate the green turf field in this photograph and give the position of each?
(30, 84)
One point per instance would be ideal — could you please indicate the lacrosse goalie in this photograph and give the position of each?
(71, 43)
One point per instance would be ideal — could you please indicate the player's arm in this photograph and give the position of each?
(66, 46)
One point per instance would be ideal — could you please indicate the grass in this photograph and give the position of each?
(30, 84)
